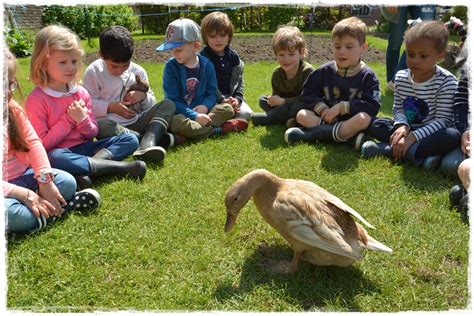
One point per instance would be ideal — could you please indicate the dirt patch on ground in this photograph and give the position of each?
(251, 49)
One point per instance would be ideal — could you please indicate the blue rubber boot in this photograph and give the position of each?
(371, 149)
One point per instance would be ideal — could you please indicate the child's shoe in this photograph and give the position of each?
(83, 182)
(464, 208)
(371, 149)
(291, 123)
(83, 201)
(169, 140)
(294, 135)
(456, 194)
(234, 125)
(259, 119)
(152, 153)
(357, 141)
(432, 163)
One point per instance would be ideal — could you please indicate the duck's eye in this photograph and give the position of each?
(236, 198)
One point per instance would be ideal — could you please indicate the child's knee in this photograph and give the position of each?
(362, 120)
(464, 170)
(65, 183)
(167, 106)
(302, 116)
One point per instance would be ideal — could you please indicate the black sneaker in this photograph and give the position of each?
(84, 200)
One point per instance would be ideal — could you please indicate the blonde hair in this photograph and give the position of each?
(218, 22)
(434, 31)
(15, 137)
(48, 39)
(289, 38)
(353, 27)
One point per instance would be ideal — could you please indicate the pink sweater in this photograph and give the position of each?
(47, 111)
(16, 162)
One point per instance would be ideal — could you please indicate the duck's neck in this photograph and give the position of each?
(260, 179)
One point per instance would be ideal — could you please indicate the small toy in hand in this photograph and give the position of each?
(139, 85)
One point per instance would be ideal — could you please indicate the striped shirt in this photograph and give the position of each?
(425, 107)
(461, 102)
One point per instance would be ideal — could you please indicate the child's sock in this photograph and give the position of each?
(217, 130)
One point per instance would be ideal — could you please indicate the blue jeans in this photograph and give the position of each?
(393, 61)
(437, 144)
(19, 218)
(75, 159)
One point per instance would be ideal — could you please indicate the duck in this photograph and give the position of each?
(319, 226)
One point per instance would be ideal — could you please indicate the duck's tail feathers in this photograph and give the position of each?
(373, 244)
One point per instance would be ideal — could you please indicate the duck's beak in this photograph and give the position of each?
(229, 223)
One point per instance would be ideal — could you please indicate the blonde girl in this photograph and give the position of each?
(60, 111)
(34, 193)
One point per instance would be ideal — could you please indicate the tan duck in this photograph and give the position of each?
(317, 224)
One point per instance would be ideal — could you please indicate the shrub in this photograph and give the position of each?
(91, 20)
(19, 43)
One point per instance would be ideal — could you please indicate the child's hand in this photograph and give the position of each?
(466, 142)
(202, 109)
(77, 110)
(399, 150)
(40, 206)
(330, 115)
(203, 119)
(275, 100)
(133, 97)
(121, 109)
(50, 192)
(234, 103)
(401, 132)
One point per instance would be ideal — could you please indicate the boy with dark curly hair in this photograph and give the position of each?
(121, 108)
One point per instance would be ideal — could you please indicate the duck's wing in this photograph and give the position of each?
(329, 198)
(304, 223)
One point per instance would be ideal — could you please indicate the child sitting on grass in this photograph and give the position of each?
(341, 96)
(217, 31)
(420, 131)
(60, 111)
(189, 80)
(34, 193)
(108, 81)
(287, 79)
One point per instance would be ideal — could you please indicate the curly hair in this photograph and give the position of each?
(434, 31)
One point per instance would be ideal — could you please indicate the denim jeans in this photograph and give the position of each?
(75, 159)
(437, 144)
(396, 31)
(19, 218)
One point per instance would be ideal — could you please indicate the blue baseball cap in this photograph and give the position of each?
(180, 32)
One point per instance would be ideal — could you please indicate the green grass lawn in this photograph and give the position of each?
(160, 244)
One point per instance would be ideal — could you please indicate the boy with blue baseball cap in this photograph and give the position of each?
(189, 80)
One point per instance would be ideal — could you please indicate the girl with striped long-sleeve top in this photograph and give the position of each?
(422, 128)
